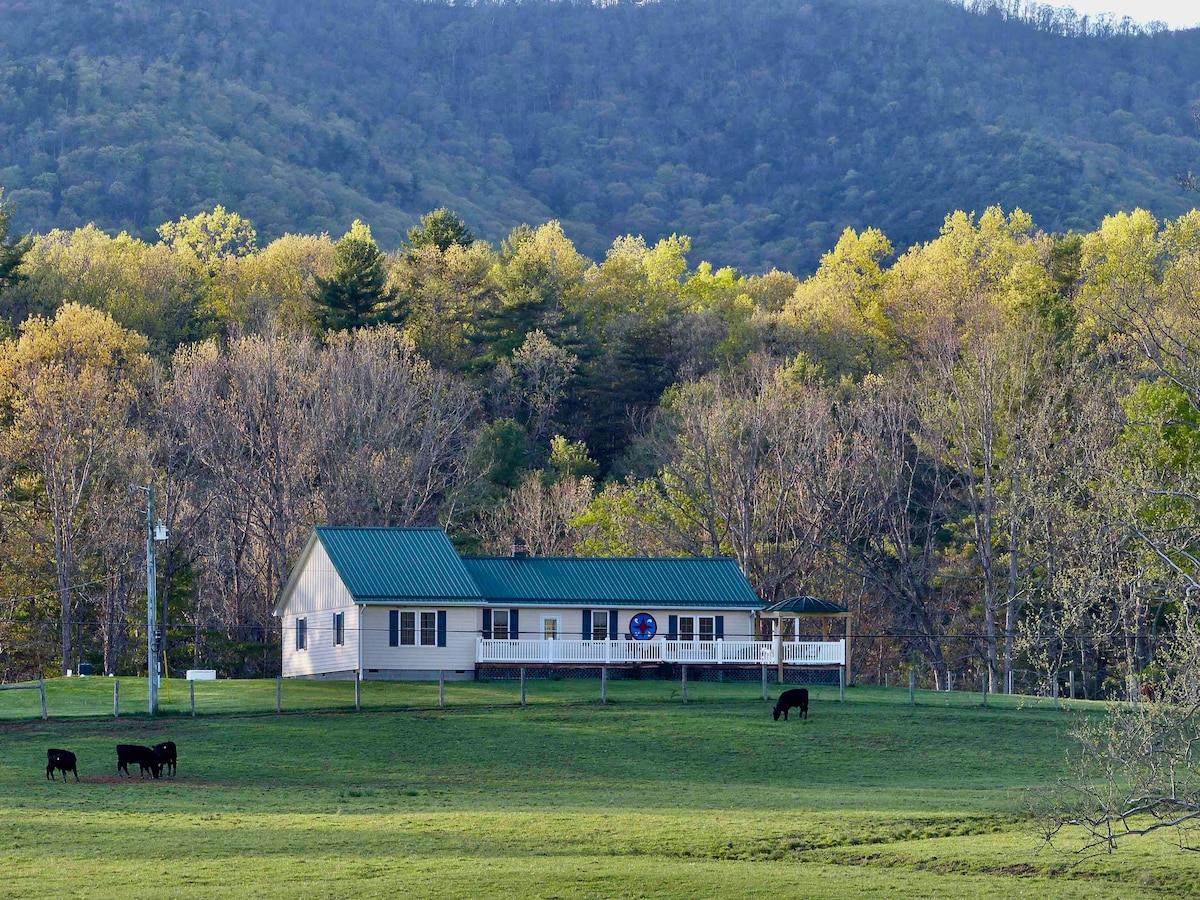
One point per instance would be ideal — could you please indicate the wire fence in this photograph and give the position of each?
(98, 697)
(32, 649)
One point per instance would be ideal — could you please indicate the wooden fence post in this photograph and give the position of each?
(1054, 690)
(441, 689)
(764, 680)
(912, 688)
(841, 684)
(985, 689)
(1072, 679)
(522, 685)
(278, 693)
(42, 691)
(604, 684)
(192, 691)
(357, 692)
(684, 683)
(116, 698)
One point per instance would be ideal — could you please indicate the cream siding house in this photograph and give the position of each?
(400, 603)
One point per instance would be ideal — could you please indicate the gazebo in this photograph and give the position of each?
(805, 607)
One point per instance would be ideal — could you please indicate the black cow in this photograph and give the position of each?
(796, 697)
(145, 757)
(63, 760)
(166, 753)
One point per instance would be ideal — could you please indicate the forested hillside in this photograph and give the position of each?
(760, 128)
(414, 264)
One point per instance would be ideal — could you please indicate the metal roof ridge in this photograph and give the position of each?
(486, 557)
(379, 528)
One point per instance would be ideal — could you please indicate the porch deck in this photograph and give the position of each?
(629, 653)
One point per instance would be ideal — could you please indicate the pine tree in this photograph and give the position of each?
(357, 295)
(12, 250)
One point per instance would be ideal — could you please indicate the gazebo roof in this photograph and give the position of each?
(806, 606)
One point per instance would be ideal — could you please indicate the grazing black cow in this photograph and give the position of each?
(63, 760)
(166, 753)
(145, 757)
(797, 698)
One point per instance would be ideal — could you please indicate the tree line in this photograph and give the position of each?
(985, 446)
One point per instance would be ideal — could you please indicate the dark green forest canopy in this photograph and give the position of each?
(760, 128)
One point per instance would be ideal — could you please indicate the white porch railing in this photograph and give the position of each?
(710, 653)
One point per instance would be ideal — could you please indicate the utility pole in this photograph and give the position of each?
(151, 603)
(154, 532)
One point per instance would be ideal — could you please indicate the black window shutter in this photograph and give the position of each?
(487, 624)
(612, 624)
(441, 628)
(720, 628)
(514, 628)
(394, 628)
(587, 624)
(672, 628)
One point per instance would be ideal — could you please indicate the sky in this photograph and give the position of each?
(1176, 13)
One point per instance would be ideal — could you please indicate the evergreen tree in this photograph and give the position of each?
(12, 249)
(441, 228)
(357, 294)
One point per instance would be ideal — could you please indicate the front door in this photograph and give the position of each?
(551, 627)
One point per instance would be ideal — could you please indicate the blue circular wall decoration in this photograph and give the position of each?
(643, 627)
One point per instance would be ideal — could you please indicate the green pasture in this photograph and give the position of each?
(644, 796)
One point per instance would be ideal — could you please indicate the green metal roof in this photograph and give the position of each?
(612, 581)
(397, 564)
(806, 606)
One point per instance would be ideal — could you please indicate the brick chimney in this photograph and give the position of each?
(519, 550)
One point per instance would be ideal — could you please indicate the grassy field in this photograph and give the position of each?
(642, 797)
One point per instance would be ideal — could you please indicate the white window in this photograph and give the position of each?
(693, 628)
(599, 624)
(428, 629)
(302, 634)
(413, 628)
(500, 624)
(551, 627)
(339, 629)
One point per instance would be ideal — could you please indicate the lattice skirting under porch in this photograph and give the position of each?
(665, 672)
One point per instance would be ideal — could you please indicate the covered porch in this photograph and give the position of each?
(781, 624)
(632, 653)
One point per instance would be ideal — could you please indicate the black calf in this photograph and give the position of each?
(145, 757)
(63, 760)
(795, 698)
(166, 753)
